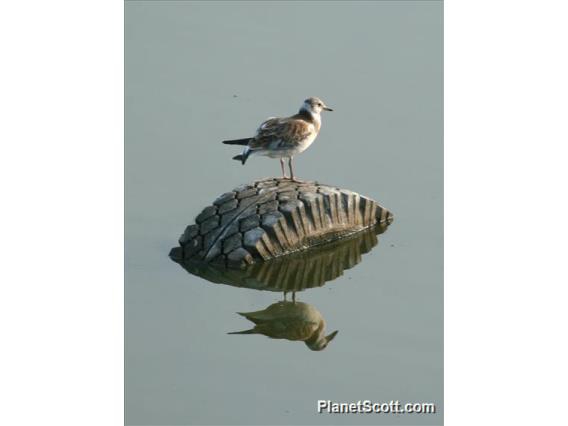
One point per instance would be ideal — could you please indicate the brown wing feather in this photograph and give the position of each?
(288, 328)
(280, 133)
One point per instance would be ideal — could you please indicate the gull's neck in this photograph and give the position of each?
(311, 116)
(318, 335)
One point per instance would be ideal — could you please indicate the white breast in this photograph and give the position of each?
(308, 141)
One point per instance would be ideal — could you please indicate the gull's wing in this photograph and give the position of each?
(288, 328)
(281, 133)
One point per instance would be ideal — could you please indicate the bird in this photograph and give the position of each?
(295, 321)
(284, 137)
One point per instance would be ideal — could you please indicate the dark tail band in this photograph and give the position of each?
(244, 141)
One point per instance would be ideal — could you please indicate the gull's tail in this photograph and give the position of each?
(244, 141)
(251, 331)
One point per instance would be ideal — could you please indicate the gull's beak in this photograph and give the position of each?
(330, 337)
(327, 108)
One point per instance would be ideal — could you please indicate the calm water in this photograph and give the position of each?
(198, 73)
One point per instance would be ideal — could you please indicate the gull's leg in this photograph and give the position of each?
(285, 295)
(292, 171)
(282, 167)
(294, 297)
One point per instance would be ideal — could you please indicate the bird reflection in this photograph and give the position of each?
(294, 272)
(296, 321)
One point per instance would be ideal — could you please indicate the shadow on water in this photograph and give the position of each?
(311, 268)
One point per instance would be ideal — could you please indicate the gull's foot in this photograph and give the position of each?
(295, 179)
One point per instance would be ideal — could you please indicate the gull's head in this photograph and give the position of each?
(321, 342)
(315, 106)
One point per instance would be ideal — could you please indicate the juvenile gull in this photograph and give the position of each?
(291, 321)
(284, 137)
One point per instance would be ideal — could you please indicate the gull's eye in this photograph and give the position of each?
(319, 104)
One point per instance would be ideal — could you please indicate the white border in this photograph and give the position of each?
(61, 227)
(506, 211)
